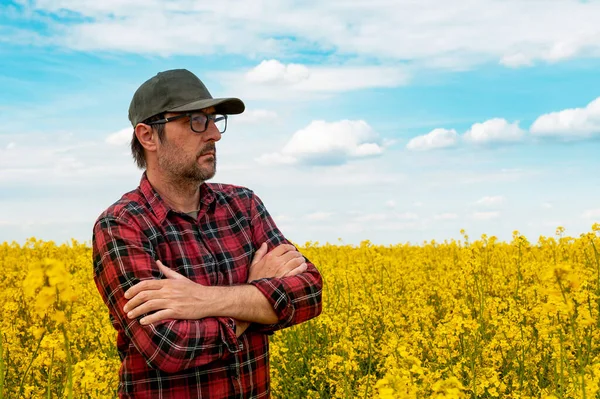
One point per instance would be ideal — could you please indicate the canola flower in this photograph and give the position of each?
(452, 319)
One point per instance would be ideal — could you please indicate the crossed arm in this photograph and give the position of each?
(177, 297)
(216, 316)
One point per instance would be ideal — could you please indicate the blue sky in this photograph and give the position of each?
(387, 121)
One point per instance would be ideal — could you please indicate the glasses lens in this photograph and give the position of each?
(198, 122)
(221, 122)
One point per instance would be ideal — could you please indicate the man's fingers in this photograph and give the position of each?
(172, 274)
(140, 298)
(291, 255)
(147, 307)
(283, 248)
(292, 264)
(300, 269)
(145, 285)
(260, 253)
(158, 316)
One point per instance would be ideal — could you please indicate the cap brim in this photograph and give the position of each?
(230, 106)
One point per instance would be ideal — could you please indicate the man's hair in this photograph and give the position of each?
(136, 148)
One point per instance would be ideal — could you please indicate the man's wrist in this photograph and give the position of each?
(241, 302)
(222, 301)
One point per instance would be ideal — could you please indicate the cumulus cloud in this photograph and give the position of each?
(570, 123)
(437, 138)
(496, 130)
(120, 138)
(328, 143)
(490, 200)
(272, 79)
(273, 71)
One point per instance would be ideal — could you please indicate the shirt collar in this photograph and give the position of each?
(159, 206)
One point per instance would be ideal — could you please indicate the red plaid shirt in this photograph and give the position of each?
(194, 358)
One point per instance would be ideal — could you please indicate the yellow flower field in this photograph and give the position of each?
(455, 319)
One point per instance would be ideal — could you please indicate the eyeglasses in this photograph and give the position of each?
(198, 121)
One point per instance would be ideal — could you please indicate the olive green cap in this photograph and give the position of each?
(177, 90)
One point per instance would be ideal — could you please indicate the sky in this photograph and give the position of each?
(389, 121)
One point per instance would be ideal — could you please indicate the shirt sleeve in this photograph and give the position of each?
(123, 256)
(295, 299)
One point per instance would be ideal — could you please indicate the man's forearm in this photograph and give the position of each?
(241, 302)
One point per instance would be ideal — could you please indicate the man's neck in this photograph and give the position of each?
(179, 194)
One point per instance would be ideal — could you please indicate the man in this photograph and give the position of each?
(195, 275)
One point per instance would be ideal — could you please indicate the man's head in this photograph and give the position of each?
(167, 113)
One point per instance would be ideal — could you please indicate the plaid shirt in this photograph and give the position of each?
(194, 358)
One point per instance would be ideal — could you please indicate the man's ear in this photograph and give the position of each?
(146, 136)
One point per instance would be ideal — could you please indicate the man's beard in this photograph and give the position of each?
(184, 171)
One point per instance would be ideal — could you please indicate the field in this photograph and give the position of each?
(457, 319)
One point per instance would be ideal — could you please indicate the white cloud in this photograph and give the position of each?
(390, 204)
(490, 201)
(62, 159)
(276, 158)
(437, 138)
(120, 138)
(384, 217)
(319, 216)
(432, 33)
(273, 71)
(324, 143)
(283, 218)
(406, 215)
(546, 205)
(11, 145)
(254, 116)
(591, 214)
(290, 82)
(569, 123)
(486, 215)
(494, 130)
(371, 217)
(446, 216)
(516, 60)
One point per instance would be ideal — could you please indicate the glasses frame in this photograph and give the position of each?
(209, 117)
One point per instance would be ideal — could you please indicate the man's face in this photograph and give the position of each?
(186, 155)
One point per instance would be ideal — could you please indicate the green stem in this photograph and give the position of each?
(30, 363)
(562, 380)
(1, 369)
(49, 387)
(69, 363)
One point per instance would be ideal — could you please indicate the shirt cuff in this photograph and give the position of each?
(275, 293)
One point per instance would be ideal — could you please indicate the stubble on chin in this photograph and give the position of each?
(185, 172)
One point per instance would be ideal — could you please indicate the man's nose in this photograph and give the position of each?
(212, 132)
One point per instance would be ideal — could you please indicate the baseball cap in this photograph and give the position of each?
(176, 90)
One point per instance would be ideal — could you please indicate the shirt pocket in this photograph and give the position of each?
(188, 254)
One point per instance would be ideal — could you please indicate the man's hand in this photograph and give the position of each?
(280, 262)
(177, 297)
